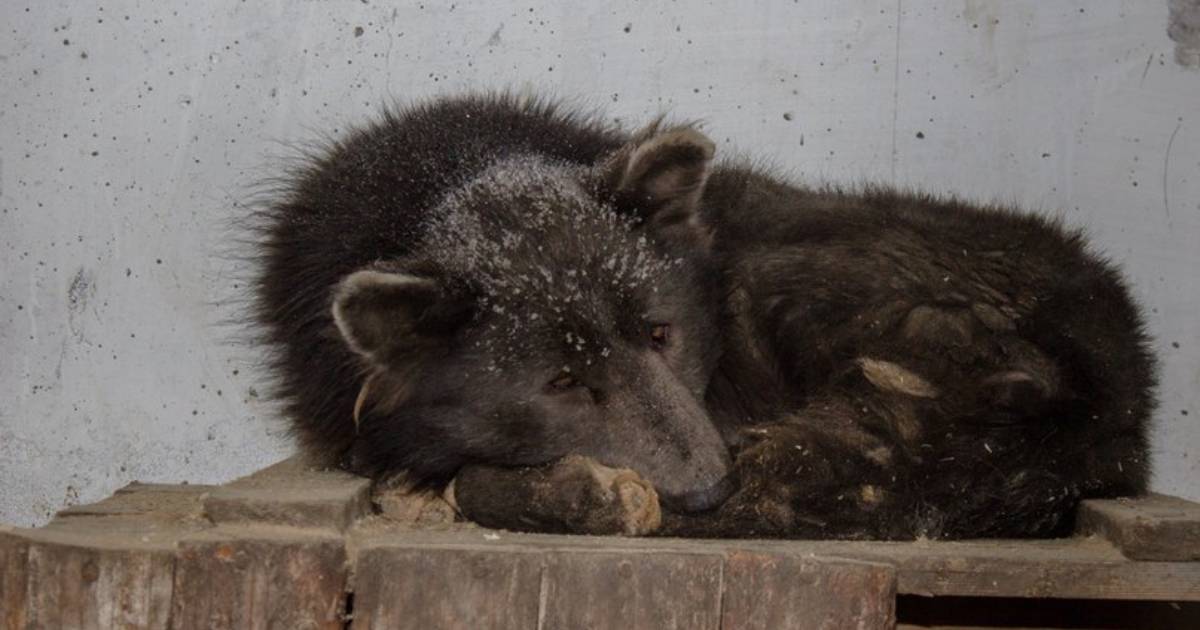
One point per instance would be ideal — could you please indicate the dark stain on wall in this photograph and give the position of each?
(81, 290)
(1183, 27)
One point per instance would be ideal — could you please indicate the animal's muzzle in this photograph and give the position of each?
(700, 500)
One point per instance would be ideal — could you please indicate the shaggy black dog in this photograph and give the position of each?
(484, 280)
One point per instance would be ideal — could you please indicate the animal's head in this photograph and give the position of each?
(552, 309)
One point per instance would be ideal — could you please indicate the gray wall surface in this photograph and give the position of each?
(130, 130)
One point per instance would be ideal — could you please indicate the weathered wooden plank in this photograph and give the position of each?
(85, 576)
(97, 587)
(272, 579)
(1072, 568)
(292, 494)
(277, 557)
(766, 591)
(14, 577)
(1061, 569)
(630, 591)
(513, 581)
(115, 571)
(1153, 527)
(438, 587)
(156, 499)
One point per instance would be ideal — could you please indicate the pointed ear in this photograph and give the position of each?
(388, 316)
(661, 176)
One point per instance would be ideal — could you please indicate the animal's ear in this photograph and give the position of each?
(660, 176)
(389, 316)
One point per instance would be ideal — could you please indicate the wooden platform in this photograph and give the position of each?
(290, 547)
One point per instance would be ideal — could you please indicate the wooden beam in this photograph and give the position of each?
(467, 580)
(258, 580)
(285, 547)
(1153, 527)
(291, 494)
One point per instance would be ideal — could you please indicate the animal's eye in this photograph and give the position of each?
(660, 335)
(562, 382)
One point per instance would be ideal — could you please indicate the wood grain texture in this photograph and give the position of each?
(1068, 568)
(1060, 569)
(624, 591)
(86, 572)
(148, 557)
(765, 591)
(106, 565)
(273, 580)
(1153, 527)
(14, 578)
(446, 588)
(538, 582)
(159, 500)
(292, 494)
(98, 588)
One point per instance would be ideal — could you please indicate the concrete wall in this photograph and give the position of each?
(129, 130)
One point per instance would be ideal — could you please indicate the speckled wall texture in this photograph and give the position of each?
(130, 130)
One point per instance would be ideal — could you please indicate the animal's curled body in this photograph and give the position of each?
(486, 280)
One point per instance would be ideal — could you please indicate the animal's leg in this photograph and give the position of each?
(815, 474)
(574, 495)
(883, 454)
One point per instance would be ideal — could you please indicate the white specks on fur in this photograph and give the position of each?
(540, 250)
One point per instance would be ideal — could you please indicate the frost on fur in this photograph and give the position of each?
(487, 281)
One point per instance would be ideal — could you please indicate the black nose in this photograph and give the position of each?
(701, 500)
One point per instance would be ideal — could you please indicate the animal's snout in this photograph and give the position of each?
(700, 500)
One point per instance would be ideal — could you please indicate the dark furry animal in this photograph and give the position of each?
(482, 280)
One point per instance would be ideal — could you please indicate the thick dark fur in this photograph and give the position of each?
(877, 364)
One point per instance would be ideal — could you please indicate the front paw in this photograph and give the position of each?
(574, 495)
(397, 501)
